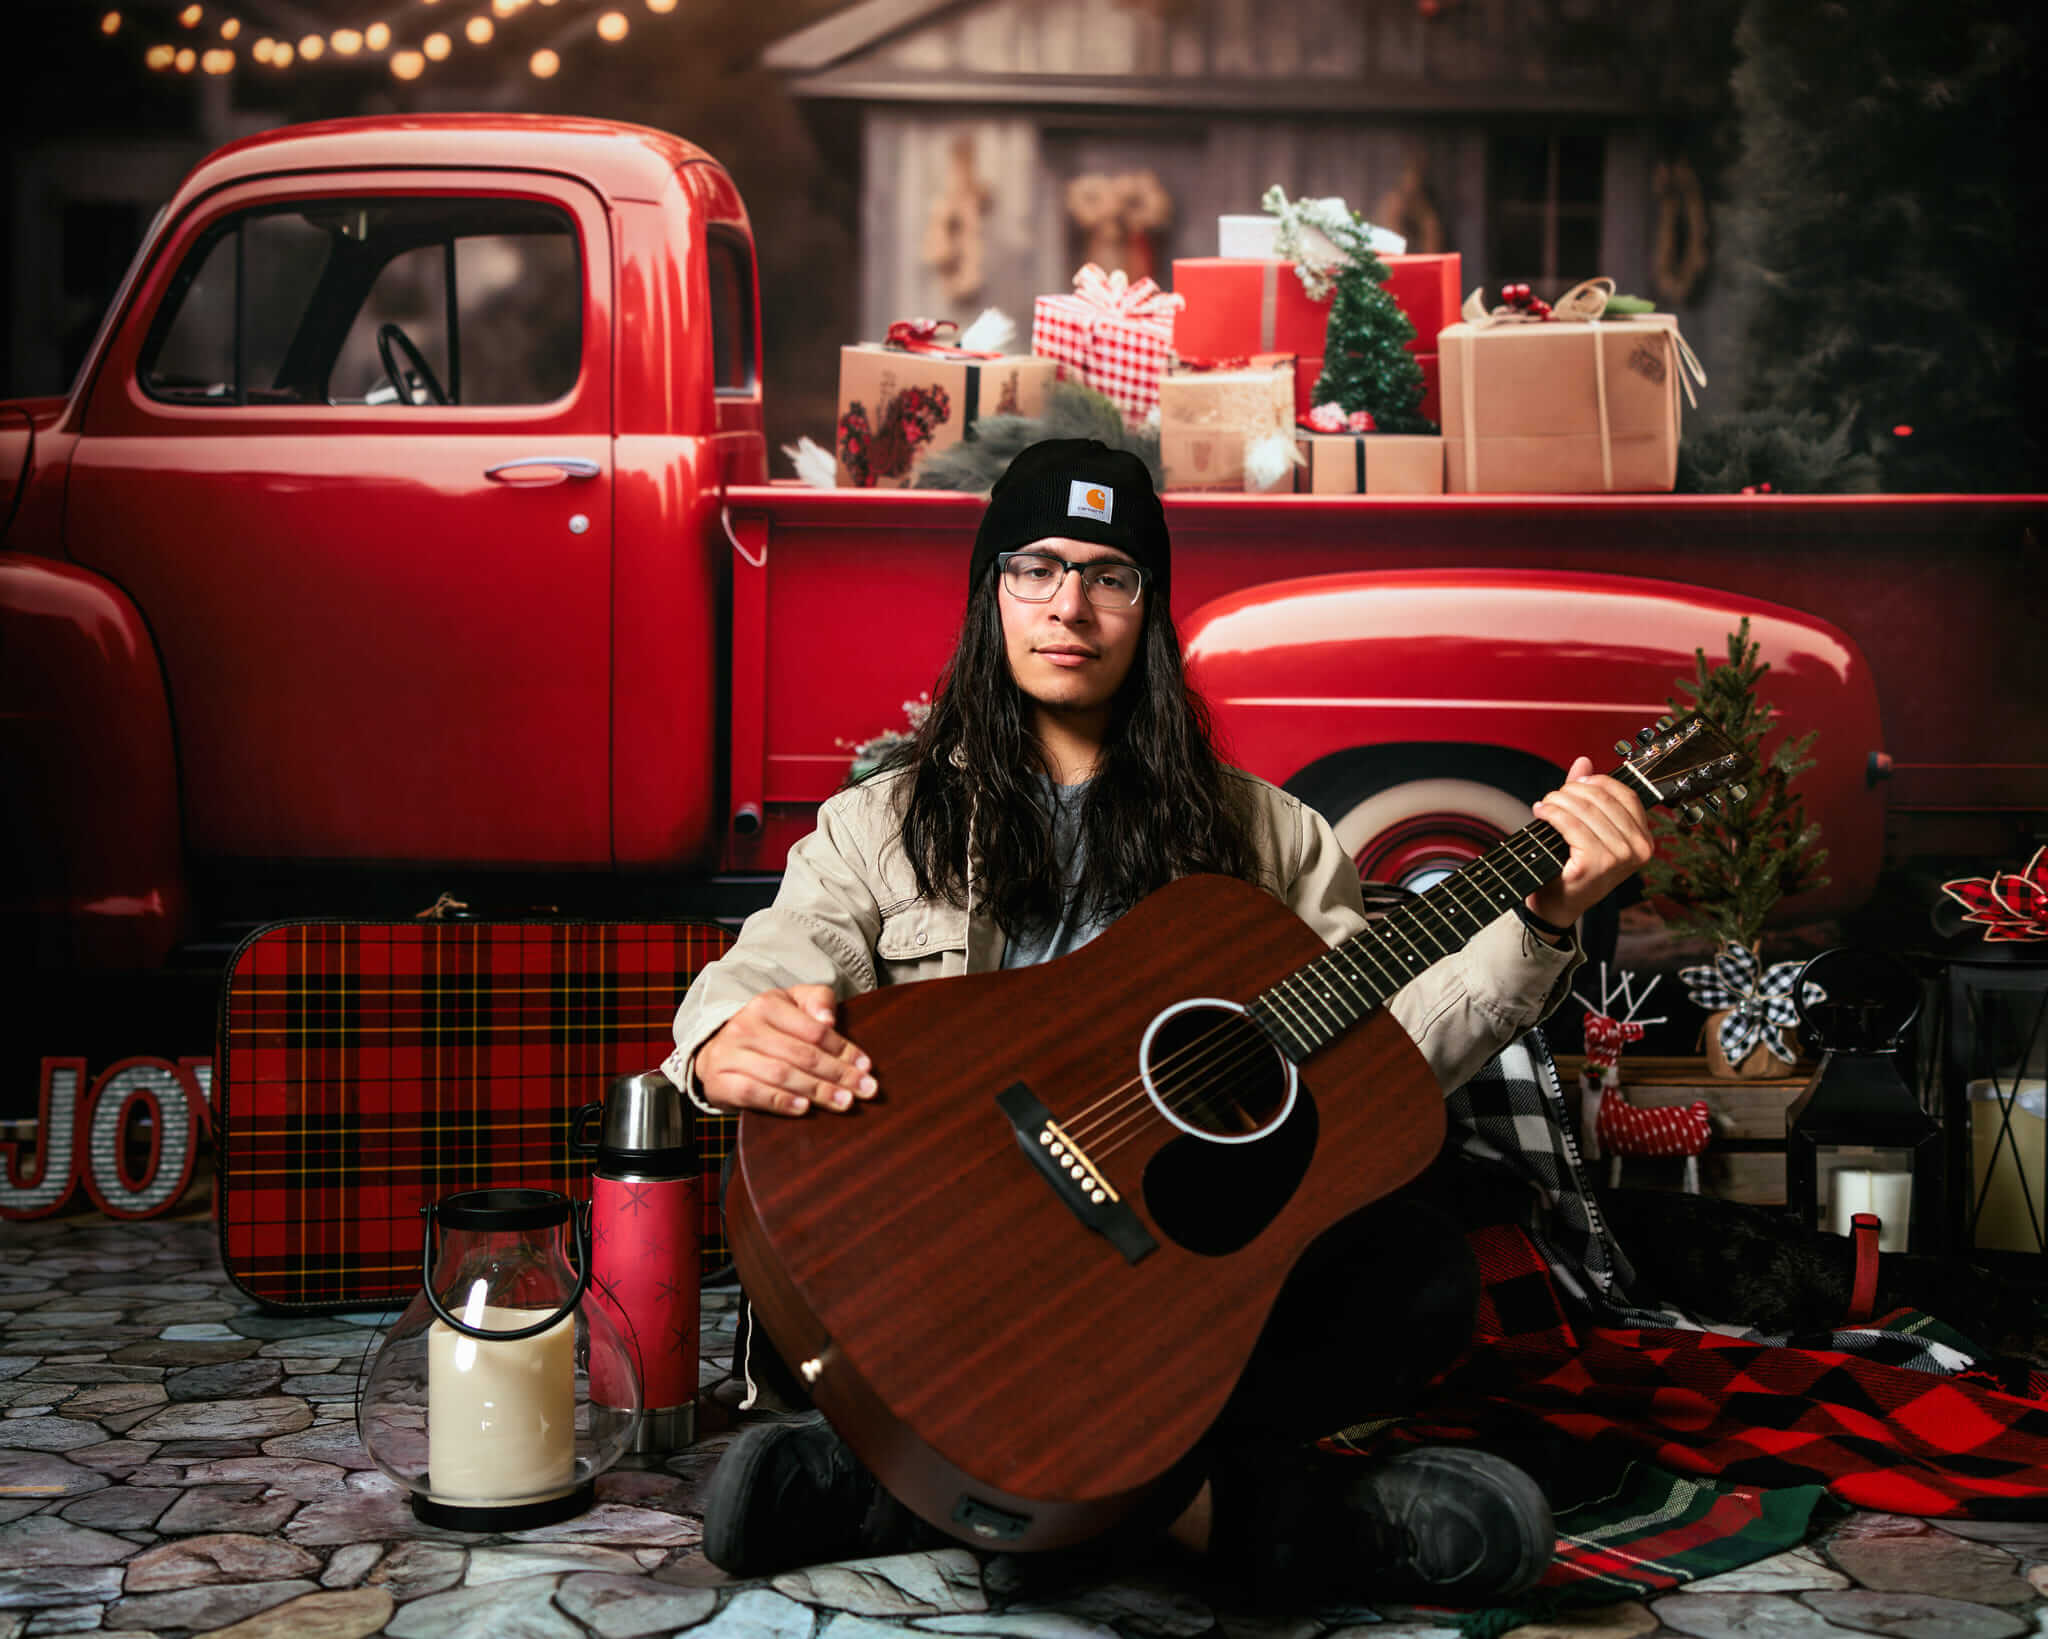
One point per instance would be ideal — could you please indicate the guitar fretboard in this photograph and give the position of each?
(1316, 1004)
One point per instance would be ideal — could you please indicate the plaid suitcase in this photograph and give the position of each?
(365, 1068)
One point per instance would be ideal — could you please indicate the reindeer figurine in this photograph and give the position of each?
(1610, 1123)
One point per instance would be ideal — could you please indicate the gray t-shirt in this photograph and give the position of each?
(1043, 943)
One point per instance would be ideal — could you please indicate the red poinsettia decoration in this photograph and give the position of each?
(2008, 904)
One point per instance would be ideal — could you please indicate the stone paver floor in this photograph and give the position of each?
(173, 1461)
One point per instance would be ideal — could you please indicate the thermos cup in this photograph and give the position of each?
(645, 1215)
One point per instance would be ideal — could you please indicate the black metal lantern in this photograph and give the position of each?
(1857, 1139)
(1995, 1081)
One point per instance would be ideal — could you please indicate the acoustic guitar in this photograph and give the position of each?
(1023, 1281)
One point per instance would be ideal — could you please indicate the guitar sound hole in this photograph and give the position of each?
(1213, 1073)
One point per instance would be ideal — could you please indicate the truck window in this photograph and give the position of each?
(732, 312)
(475, 301)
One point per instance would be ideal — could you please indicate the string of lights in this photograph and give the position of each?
(212, 39)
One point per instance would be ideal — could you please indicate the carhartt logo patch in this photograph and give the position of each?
(1090, 501)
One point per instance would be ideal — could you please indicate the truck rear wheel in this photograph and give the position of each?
(1411, 815)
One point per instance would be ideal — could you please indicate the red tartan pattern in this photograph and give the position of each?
(367, 1068)
(1121, 354)
(1877, 1436)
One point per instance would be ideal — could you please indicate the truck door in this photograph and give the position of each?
(351, 457)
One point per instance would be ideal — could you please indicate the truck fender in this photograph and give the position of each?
(93, 870)
(1423, 711)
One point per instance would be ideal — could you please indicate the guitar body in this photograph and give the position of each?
(1020, 1345)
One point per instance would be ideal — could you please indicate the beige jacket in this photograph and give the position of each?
(848, 915)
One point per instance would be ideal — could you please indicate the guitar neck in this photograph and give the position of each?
(1316, 1004)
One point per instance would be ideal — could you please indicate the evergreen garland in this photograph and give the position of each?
(1726, 874)
(1887, 210)
(993, 442)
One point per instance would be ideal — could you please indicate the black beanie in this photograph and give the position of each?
(1084, 490)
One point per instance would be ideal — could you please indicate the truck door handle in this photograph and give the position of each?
(568, 466)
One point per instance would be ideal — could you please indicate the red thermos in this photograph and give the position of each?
(644, 1219)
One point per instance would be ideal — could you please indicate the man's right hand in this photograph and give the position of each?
(780, 1053)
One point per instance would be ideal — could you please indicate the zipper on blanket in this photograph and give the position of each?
(1562, 1118)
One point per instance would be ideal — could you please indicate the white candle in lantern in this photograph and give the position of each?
(1891, 1198)
(501, 1416)
(1848, 1194)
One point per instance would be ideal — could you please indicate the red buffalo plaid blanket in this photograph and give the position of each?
(1673, 1454)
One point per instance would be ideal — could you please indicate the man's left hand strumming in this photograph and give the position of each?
(1603, 823)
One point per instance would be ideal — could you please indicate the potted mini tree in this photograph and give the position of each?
(1724, 876)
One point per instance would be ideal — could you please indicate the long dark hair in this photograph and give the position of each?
(1161, 804)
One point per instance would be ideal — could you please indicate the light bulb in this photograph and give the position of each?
(544, 64)
(479, 31)
(408, 65)
(190, 16)
(346, 41)
(311, 48)
(159, 57)
(281, 56)
(661, 7)
(263, 49)
(111, 23)
(612, 26)
(230, 27)
(218, 62)
(504, 8)
(437, 47)
(186, 61)
(377, 36)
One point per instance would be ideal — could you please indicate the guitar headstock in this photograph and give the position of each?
(1685, 764)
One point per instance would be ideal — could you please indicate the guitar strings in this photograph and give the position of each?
(1239, 1037)
(1259, 1044)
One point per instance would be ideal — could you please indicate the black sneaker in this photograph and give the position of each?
(793, 1493)
(1441, 1525)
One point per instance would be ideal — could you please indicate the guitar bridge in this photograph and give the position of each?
(1075, 1179)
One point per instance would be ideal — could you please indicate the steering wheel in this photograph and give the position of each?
(391, 340)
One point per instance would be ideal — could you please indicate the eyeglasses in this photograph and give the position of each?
(1036, 577)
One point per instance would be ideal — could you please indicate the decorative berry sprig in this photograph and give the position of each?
(1524, 300)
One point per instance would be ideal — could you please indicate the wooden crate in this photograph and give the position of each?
(1746, 1159)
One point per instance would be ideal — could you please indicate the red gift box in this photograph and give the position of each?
(1239, 306)
(1114, 335)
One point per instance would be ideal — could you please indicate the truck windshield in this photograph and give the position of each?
(396, 301)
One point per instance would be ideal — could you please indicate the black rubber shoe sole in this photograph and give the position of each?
(729, 1542)
(1523, 1542)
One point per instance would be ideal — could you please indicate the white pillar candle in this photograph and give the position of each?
(501, 1416)
(1848, 1194)
(1891, 1198)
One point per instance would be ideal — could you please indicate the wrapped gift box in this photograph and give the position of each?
(1246, 306)
(1308, 371)
(1563, 408)
(1369, 464)
(1209, 418)
(895, 406)
(1115, 336)
(1257, 236)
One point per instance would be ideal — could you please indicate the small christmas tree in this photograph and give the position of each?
(1726, 874)
(1366, 362)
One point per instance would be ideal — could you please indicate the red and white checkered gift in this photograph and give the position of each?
(1114, 335)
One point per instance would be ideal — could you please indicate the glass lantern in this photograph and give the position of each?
(1996, 1075)
(480, 1400)
(1857, 1139)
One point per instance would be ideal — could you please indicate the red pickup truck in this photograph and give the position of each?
(409, 527)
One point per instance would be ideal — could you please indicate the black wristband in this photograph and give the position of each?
(1540, 924)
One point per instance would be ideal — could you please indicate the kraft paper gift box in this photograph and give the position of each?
(1209, 419)
(1114, 335)
(1369, 464)
(1237, 306)
(1567, 407)
(896, 405)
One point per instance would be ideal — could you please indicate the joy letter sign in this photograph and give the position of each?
(89, 1141)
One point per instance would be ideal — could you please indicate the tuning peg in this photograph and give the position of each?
(1645, 735)
(1665, 722)
(1624, 749)
(1713, 801)
(1694, 813)
(1738, 793)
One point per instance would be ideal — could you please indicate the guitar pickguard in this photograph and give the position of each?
(1215, 1199)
